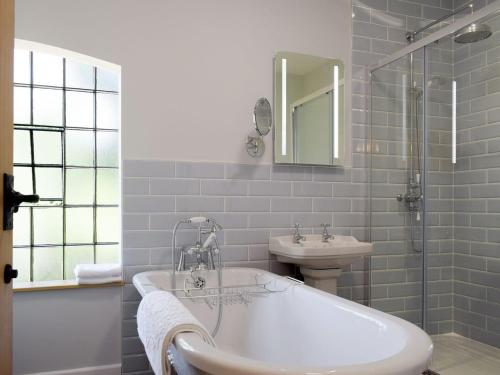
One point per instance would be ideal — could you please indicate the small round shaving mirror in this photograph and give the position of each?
(262, 116)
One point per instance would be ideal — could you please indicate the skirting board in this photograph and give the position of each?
(114, 369)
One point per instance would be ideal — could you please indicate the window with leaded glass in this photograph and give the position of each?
(66, 150)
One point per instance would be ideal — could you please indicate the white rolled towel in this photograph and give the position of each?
(97, 271)
(98, 280)
(160, 317)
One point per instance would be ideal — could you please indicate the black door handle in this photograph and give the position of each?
(9, 273)
(11, 201)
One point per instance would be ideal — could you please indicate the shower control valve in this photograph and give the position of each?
(409, 197)
(412, 197)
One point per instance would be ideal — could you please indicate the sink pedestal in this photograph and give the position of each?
(325, 280)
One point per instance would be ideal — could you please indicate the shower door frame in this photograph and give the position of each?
(423, 185)
(410, 49)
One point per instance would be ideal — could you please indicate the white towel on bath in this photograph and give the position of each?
(98, 280)
(89, 271)
(160, 317)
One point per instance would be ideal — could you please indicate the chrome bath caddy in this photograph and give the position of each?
(196, 290)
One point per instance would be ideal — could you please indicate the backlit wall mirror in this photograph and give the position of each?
(308, 110)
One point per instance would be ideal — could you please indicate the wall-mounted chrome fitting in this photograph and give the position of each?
(263, 120)
(255, 146)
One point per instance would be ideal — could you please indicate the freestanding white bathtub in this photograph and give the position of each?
(301, 330)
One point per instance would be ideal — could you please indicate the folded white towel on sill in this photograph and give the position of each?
(88, 271)
(160, 317)
(98, 280)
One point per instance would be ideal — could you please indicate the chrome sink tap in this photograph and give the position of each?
(297, 237)
(326, 236)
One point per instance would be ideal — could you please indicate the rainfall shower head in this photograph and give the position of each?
(473, 33)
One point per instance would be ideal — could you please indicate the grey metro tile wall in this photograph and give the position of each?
(251, 202)
(477, 192)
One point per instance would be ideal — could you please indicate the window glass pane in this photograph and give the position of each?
(79, 186)
(107, 149)
(22, 262)
(79, 109)
(79, 148)
(107, 224)
(22, 105)
(47, 107)
(80, 225)
(107, 111)
(47, 263)
(22, 227)
(79, 75)
(22, 146)
(23, 180)
(22, 71)
(107, 186)
(76, 255)
(107, 80)
(47, 225)
(49, 183)
(43, 224)
(47, 147)
(47, 69)
(107, 254)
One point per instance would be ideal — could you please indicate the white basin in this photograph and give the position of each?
(320, 262)
(313, 253)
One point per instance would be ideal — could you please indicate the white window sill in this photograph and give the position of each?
(38, 286)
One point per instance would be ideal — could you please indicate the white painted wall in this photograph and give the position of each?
(191, 69)
(67, 329)
(191, 73)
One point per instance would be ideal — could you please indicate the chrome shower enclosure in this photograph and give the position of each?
(435, 178)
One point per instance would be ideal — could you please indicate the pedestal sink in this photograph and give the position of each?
(320, 262)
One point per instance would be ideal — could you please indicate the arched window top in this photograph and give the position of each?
(29, 45)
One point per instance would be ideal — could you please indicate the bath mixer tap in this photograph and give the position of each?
(297, 237)
(205, 251)
(326, 236)
(194, 250)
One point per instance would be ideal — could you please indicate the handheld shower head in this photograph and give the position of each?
(197, 220)
(202, 220)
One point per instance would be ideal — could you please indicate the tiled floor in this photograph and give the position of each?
(457, 355)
